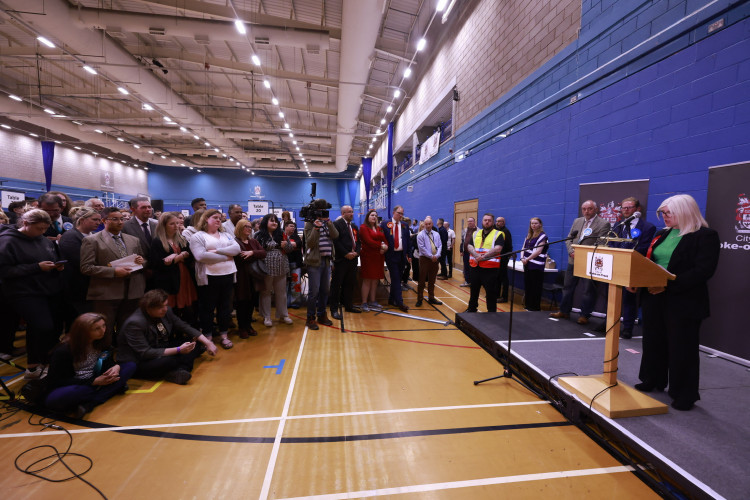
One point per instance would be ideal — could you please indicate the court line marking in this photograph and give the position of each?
(679, 470)
(145, 391)
(282, 423)
(420, 488)
(271, 419)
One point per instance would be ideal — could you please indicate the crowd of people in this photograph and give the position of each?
(162, 287)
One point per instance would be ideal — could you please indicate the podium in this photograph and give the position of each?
(619, 267)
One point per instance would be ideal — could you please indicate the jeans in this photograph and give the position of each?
(318, 283)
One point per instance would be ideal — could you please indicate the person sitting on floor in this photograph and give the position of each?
(155, 338)
(82, 372)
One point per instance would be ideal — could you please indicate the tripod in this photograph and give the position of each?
(507, 369)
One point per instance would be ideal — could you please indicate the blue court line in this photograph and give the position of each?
(278, 367)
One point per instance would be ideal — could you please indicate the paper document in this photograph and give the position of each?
(128, 262)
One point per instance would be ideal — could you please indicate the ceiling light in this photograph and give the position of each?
(58, 116)
(183, 129)
(76, 147)
(191, 168)
(98, 131)
(275, 101)
(196, 137)
(297, 148)
(15, 97)
(136, 146)
(256, 60)
(123, 90)
(240, 27)
(286, 125)
(252, 172)
(407, 72)
(89, 69)
(121, 139)
(49, 111)
(300, 155)
(167, 119)
(390, 108)
(163, 157)
(397, 93)
(145, 168)
(150, 152)
(46, 42)
(373, 139)
(267, 84)
(109, 157)
(208, 144)
(147, 107)
(421, 44)
(5, 126)
(174, 161)
(281, 114)
(216, 149)
(224, 155)
(199, 170)
(291, 134)
(123, 161)
(382, 121)
(441, 5)
(377, 131)
(294, 142)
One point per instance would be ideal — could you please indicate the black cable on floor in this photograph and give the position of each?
(36, 469)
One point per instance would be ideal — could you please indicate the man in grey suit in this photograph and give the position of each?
(585, 230)
(141, 225)
(114, 291)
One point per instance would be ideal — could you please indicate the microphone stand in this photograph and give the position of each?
(507, 369)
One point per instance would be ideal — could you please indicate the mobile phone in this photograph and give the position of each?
(61, 262)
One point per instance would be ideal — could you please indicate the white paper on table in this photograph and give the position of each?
(128, 262)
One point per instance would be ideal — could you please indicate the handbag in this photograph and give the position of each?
(258, 269)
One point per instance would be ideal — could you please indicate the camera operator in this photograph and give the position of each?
(319, 235)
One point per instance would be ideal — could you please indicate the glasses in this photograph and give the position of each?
(627, 208)
(665, 212)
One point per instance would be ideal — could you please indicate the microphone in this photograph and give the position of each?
(573, 234)
(636, 215)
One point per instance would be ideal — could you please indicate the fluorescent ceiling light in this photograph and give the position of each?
(77, 122)
(196, 137)
(267, 84)
(208, 144)
(183, 129)
(15, 97)
(167, 119)
(150, 152)
(286, 125)
(256, 60)
(397, 93)
(163, 157)
(382, 121)
(49, 111)
(59, 116)
(121, 139)
(123, 90)
(390, 108)
(421, 44)
(98, 131)
(275, 101)
(240, 27)
(441, 5)
(147, 107)
(5, 126)
(136, 146)
(407, 72)
(281, 114)
(89, 69)
(291, 134)
(216, 149)
(46, 42)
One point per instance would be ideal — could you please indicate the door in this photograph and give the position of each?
(462, 210)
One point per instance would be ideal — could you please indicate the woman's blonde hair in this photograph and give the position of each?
(203, 223)
(34, 216)
(685, 212)
(530, 234)
(160, 233)
(240, 226)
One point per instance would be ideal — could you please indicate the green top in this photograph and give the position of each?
(663, 253)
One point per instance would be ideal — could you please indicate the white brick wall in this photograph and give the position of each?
(22, 160)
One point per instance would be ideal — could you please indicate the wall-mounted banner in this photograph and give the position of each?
(256, 209)
(107, 181)
(609, 196)
(11, 196)
(430, 147)
(728, 212)
(256, 192)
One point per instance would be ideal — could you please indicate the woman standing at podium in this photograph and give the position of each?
(672, 315)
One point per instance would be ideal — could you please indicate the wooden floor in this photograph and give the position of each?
(384, 409)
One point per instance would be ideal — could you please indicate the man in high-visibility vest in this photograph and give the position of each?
(485, 249)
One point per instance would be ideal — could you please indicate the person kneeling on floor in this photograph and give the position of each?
(155, 339)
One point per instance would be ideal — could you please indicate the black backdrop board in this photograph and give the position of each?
(609, 196)
(728, 212)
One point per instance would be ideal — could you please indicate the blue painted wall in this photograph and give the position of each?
(177, 186)
(669, 121)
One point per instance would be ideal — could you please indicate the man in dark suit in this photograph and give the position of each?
(346, 250)
(642, 232)
(399, 251)
(141, 225)
(114, 291)
(77, 284)
(52, 204)
(585, 230)
(443, 232)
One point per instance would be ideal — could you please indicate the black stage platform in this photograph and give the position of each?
(702, 453)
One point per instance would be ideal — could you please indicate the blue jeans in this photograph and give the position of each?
(318, 286)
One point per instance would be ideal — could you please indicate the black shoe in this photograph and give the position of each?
(682, 405)
(353, 309)
(470, 311)
(647, 387)
(82, 410)
(335, 314)
(502, 300)
(419, 303)
(294, 305)
(626, 333)
(178, 376)
(434, 302)
(391, 303)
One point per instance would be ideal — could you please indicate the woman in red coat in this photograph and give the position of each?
(372, 259)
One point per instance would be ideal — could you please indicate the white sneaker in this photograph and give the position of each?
(268, 322)
(36, 373)
(365, 307)
(5, 356)
(374, 306)
(287, 320)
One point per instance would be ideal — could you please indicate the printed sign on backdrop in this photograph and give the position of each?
(728, 212)
(430, 147)
(9, 197)
(278, 211)
(185, 212)
(107, 181)
(256, 209)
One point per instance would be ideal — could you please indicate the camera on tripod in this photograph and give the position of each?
(317, 209)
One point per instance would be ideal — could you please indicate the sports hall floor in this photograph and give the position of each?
(385, 408)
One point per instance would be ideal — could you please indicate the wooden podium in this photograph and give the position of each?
(619, 267)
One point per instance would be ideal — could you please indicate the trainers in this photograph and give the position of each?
(465, 284)
(5, 356)
(37, 373)
(287, 320)
(365, 307)
(178, 376)
(268, 322)
(374, 306)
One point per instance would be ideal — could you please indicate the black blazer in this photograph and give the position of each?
(693, 261)
(76, 283)
(139, 337)
(52, 230)
(166, 277)
(343, 244)
(647, 230)
(390, 254)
